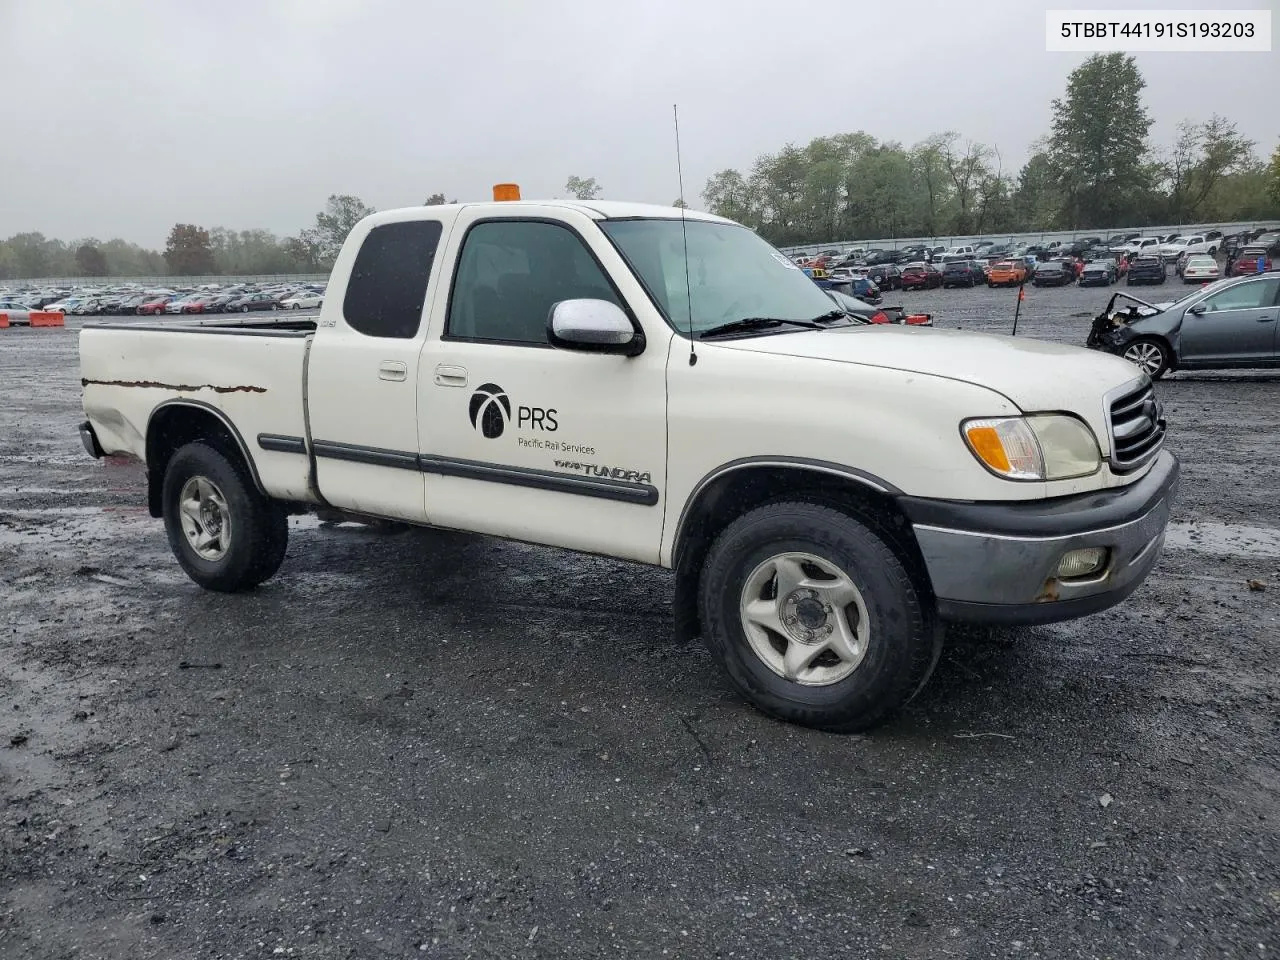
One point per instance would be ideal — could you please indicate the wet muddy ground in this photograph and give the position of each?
(426, 744)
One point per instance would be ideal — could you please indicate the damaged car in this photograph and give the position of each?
(1230, 324)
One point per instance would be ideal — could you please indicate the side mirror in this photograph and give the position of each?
(593, 326)
(1198, 309)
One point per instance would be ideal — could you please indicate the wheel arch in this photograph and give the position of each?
(175, 423)
(742, 485)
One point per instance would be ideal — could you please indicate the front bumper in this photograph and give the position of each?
(997, 562)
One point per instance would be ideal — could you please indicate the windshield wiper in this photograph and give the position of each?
(757, 323)
(831, 315)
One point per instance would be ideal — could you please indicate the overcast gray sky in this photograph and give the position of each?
(124, 117)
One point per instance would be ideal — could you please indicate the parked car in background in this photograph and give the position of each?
(1078, 246)
(997, 251)
(197, 304)
(302, 300)
(962, 273)
(1099, 273)
(177, 304)
(886, 276)
(1007, 273)
(921, 276)
(1134, 248)
(154, 306)
(1054, 273)
(1230, 323)
(65, 305)
(1147, 268)
(16, 311)
(1200, 268)
(1247, 261)
(916, 253)
(254, 301)
(1195, 243)
(865, 289)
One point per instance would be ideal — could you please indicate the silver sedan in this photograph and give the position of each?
(16, 312)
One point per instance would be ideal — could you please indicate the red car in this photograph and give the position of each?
(1247, 262)
(196, 305)
(155, 306)
(921, 276)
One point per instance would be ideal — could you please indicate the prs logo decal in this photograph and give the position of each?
(490, 410)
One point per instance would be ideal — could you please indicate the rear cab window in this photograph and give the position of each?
(388, 283)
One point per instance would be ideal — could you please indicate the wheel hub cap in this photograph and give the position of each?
(205, 518)
(805, 618)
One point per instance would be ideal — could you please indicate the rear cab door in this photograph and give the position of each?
(524, 440)
(362, 375)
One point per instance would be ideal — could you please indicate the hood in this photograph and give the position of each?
(1035, 374)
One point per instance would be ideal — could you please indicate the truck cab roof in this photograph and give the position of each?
(595, 209)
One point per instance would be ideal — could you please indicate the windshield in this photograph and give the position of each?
(731, 273)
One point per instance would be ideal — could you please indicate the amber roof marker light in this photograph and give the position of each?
(506, 191)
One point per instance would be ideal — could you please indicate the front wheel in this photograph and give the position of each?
(226, 535)
(244, 309)
(1151, 355)
(816, 617)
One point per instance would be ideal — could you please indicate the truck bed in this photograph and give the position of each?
(249, 373)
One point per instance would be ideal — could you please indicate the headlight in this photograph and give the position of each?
(1040, 447)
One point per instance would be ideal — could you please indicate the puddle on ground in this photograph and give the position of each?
(1224, 539)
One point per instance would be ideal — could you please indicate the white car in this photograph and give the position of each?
(1192, 245)
(15, 310)
(1150, 245)
(1201, 268)
(603, 378)
(61, 306)
(177, 305)
(305, 300)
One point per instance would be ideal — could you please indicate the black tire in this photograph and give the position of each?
(1166, 358)
(245, 308)
(259, 527)
(904, 638)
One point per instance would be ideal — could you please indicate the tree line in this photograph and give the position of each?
(1095, 167)
(193, 250)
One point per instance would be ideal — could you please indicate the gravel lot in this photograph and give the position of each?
(426, 744)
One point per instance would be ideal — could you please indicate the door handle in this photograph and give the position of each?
(392, 370)
(451, 376)
(1265, 319)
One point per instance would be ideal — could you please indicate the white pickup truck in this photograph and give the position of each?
(622, 379)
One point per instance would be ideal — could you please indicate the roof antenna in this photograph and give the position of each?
(684, 233)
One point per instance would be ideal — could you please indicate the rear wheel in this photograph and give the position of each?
(1149, 354)
(225, 534)
(245, 308)
(816, 617)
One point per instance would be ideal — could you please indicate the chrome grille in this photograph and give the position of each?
(1136, 421)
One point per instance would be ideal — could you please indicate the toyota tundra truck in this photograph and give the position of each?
(660, 386)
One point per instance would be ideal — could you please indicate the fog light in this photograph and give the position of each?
(1081, 563)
